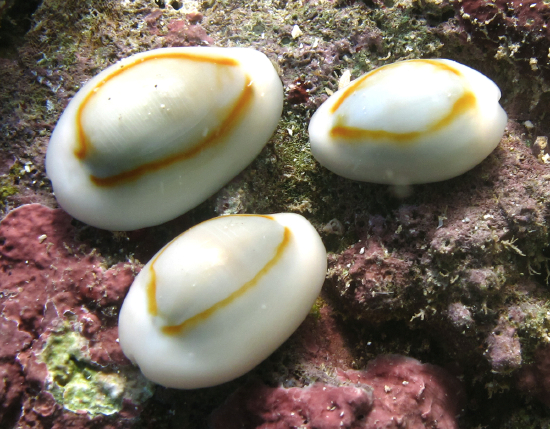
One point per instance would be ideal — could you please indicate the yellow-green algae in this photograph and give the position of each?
(80, 385)
(316, 309)
(8, 182)
(6, 189)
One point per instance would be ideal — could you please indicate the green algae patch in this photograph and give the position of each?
(8, 182)
(80, 385)
(316, 309)
(7, 189)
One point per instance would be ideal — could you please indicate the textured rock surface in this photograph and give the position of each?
(318, 406)
(409, 394)
(393, 392)
(58, 337)
(452, 273)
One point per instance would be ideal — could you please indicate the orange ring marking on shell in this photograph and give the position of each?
(151, 286)
(212, 139)
(466, 102)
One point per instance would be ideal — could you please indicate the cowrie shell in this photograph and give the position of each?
(221, 297)
(409, 122)
(157, 133)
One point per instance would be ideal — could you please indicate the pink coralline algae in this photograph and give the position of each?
(366, 276)
(58, 299)
(393, 392)
(180, 32)
(459, 315)
(318, 406)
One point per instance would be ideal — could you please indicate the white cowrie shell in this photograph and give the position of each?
(409, 122)
(157, 133)
(221, 297)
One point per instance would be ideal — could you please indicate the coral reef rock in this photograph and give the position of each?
(60, 358)
(393, 392)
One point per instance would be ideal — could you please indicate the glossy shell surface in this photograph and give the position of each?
(159, 132)
(221, 297)
(409, 122)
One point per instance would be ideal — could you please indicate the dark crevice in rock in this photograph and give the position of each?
(15, 22)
